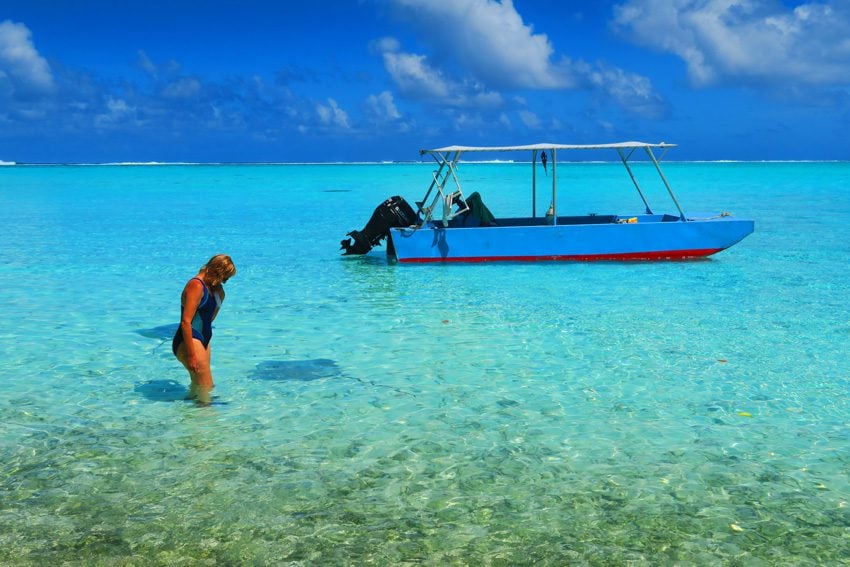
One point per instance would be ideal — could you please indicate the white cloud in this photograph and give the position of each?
(20, 62)
(186, 87)
(483, 45)
(156, 71)
(383, 106)
(488, 39)
(486, 99)
(530, 119)
(146, 64)
(632, 92)
(384, 44)
(465, 121)
(332, 115)
(414, 76)
(745, 40)
(117, 112)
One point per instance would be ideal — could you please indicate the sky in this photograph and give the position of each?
(91, 81)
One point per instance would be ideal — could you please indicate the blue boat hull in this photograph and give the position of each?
(647, 237)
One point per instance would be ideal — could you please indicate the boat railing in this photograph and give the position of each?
(443, 197)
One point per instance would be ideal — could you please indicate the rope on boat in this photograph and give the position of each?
(720, 216)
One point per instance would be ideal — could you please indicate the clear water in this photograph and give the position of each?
(605, 413)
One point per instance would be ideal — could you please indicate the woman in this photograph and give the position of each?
(202, 298)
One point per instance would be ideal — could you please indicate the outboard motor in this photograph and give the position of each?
(392, 213)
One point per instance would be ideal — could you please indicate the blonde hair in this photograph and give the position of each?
(220, 267)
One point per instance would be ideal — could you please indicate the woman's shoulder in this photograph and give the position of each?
(195, 284)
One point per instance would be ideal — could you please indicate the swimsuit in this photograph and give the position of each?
(201, 322)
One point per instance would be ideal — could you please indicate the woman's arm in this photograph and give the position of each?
(220, 291)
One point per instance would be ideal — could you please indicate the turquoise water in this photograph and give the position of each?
(366, 412)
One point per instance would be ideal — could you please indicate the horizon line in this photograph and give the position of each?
(4, 164)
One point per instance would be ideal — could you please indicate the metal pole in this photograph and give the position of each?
(439, 182)
(667, 185)
(554, 188)
(534, 184)
(420, 205)
(625, 160)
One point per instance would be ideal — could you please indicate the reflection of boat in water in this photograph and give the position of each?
(449, 227)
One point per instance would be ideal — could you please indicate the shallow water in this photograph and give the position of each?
(366, 412)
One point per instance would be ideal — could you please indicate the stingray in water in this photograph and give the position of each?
(162, 390)
(300, 370)
(163, 332)
(307, 371)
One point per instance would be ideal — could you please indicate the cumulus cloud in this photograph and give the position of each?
(630, 91)
(483, 46)
(384, 44)
(383, 106)
(745, 40)
(488, 39)
(332, 115)
(415, 77)
(144, 62)
(24, 70)
(117, 111)
(154, 70)
(183, 88)
(530, 119)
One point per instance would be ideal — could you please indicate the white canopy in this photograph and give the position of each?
(547, 146)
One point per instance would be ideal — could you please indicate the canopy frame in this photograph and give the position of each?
(449, 156)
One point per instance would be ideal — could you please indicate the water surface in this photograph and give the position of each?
(366, 412)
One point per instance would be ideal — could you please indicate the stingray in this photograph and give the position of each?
(163, 332)
(308, 371)
(162, 390)
(300, 370)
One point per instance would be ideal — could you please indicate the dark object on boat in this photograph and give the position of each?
(476, 213)
(395, 212)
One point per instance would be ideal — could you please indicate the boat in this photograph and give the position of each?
(448, 226)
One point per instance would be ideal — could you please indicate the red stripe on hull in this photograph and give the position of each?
(619, 257)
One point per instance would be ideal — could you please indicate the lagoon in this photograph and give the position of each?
(369, 412)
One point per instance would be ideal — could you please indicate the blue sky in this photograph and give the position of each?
(373, 80)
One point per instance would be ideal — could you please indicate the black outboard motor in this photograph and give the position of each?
(394, 212)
